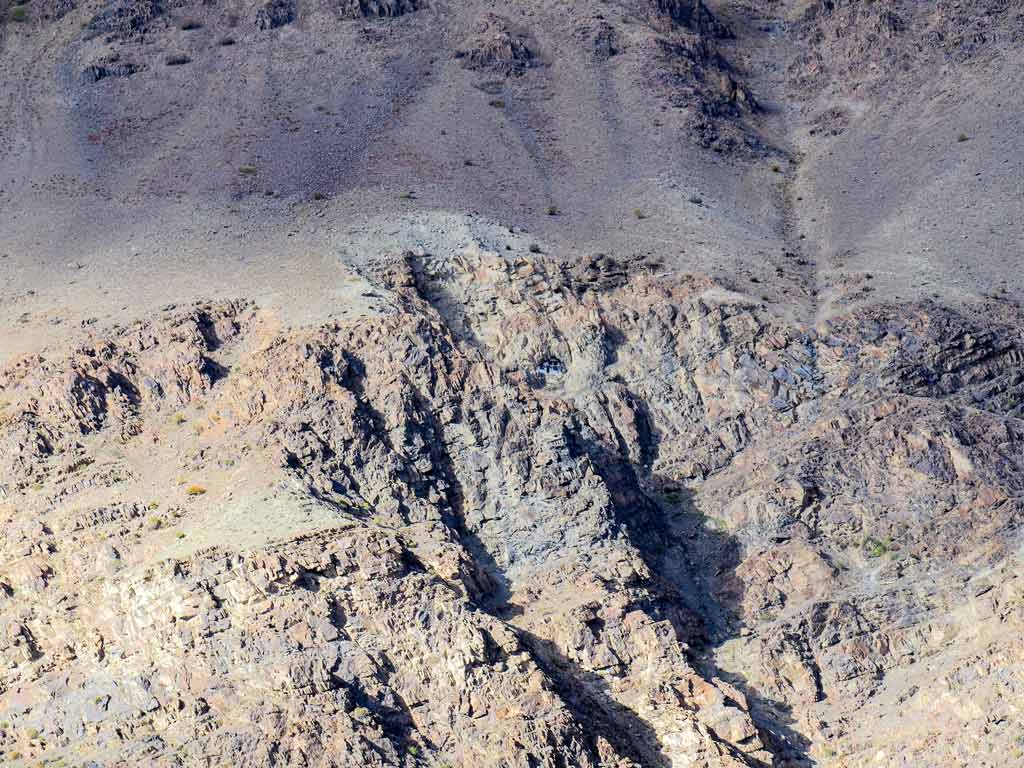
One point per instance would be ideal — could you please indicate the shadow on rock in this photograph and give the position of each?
(591, 703)
(691, 557)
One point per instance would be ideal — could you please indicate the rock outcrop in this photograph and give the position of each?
(495, 46)
(377, 9)
(693, 14)
(855, 43)
(527, 515)
(275, 13)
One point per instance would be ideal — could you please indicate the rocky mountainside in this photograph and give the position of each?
(614, 384)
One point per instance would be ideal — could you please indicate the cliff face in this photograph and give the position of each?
(400, 383)
(516, 514)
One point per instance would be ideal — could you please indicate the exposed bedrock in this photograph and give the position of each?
(529, 515)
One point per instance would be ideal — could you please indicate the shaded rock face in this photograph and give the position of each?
(599, 37)
(694, 77)
(693, 14)
(275, 13)
(108, 68)
(496, 47)
(124, 18)
(526, 515)
(378, 9)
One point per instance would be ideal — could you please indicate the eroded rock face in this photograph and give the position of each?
(496, 47)
(524, 515)
(275, 13)
(851, 43)
(378, 9)
(124, 18)
(693, 14)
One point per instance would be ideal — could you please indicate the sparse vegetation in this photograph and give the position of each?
(639, 214)
(534, 248)
(19, 14)
(875, 547)
(176, 60)
(715, 523)
(318, 195)
(360, 712)
(696, 200)
(81, 463)
(179, 535)
(190, 24)
(963, 137)
(776, 168)
(497, 103)
(226, 41)
(552, 210)
(248, 170)
(195, 490)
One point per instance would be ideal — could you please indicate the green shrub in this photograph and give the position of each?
(874, 547)
(19, 14)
